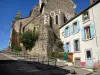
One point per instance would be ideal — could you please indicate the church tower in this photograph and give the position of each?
(18, 16)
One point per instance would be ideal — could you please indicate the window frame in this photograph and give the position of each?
(57, 19)
(87, 18)
(73, 27)
(90, 49)
(67, 31)
(74, 46)
(85, 33)
(69, 46)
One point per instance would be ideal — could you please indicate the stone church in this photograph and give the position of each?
(47, 16)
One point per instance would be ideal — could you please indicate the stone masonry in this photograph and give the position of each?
(47, 16)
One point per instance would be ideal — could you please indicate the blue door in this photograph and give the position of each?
(89, 60)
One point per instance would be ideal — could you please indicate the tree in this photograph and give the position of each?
(29, 38)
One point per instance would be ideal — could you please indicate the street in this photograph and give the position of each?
(18, 67)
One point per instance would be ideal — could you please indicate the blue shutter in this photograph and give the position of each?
(92, 30)
(65, 48)
(71, 29)
(83, 36)
(65, 33)
(68, 30)
(69, 48)
(78, 26)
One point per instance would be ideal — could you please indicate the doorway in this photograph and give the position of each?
(89, 60)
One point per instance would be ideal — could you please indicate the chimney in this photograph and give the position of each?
(92, 1)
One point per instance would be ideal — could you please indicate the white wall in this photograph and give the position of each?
(96, 19)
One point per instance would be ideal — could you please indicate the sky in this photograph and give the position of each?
(9, 8)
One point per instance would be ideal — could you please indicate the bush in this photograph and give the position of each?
(59, 44)
(16, 48)
(28, 39)
(56, 55)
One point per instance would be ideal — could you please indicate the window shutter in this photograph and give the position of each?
(65, 48)
(83, 36)
(69, 49)
(78, 26)
(92, 30)
(71, 29)
(65, 33)
(68, 30)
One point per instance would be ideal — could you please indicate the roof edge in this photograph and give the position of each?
(90, 6)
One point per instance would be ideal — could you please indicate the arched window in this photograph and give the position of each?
(56, 19)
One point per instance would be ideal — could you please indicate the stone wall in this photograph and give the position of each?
(45, 23)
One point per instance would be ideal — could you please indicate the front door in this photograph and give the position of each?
(89, 61)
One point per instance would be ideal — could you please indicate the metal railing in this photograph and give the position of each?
(42, 59)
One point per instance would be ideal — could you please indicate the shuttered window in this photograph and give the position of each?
(67, 32)
(76, 27)
(66, 47)
(88, 32)
(76, 46)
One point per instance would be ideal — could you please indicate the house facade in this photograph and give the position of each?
(81, 37)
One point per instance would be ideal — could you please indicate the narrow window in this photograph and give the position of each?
(42, 6)
(64, 19)
(76, 45)
(56, 19)
(87, 32)
(67, 31)
(75, 27)
(85, 16)
(68, 47)
(88, 53)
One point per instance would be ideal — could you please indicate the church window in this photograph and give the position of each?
(56, 19)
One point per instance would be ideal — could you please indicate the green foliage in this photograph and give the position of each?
(56, 54)
(59, 44)
(16, 48)
(29, 38)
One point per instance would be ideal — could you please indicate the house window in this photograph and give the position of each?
(68, 47)
(76, 45)
(75, 27)
(88, 53)
(85, 16)
(87, 32)
(56, 19)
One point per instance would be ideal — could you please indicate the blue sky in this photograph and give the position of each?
(9, 8)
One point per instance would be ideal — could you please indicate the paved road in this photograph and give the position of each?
(18, 67)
